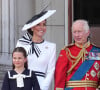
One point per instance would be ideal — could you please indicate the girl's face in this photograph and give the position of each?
(40, 29)
(18, 59)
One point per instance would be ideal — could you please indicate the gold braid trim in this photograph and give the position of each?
(78, 57)
(82, 83)
(59, 89)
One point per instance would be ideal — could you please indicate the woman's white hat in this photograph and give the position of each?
(37, 19)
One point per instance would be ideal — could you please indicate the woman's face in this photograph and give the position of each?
(40, 29)
(18, 59)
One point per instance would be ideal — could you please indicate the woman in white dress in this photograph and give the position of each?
(41, 53)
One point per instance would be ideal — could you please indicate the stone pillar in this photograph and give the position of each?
(7, 31)
(12, 30)
(6, 36)
(0, 23)
(66, 22)
(5, 26)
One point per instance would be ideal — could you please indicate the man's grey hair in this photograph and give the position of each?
(81, 21)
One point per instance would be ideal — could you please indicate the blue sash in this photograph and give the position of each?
(82, 70)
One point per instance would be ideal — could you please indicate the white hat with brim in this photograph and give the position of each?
(38, 20)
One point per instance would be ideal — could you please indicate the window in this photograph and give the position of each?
(87, 9)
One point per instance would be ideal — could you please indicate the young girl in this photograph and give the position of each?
(20, 78)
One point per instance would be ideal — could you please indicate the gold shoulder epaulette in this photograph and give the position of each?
(69, 45)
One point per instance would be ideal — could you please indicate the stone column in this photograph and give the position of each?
(5, 26)
(6, 36)
(7, 31)
(12, 26)
(0, 24)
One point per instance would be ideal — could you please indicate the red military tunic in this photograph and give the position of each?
(64, 64)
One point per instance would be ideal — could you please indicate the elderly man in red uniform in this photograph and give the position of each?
(78, 65)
